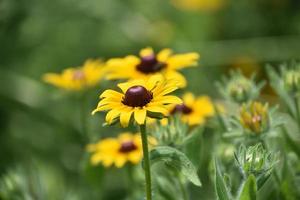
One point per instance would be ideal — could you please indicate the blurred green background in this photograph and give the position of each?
(39, 131)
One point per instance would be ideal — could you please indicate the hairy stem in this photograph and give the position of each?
(146, 162)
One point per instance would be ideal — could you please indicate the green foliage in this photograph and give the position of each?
(40, 124)
(220, 185)
(249, 190)
(176, 159)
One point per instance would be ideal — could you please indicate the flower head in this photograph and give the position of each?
(148, 63)
(194, 110)
(118, 151)
(255, 160)
(255, 117)
(78, 78)
(139, 98)
(240, 89)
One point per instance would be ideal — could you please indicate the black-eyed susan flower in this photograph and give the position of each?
(255, 117)
(139, 98)
(148, 63)
(194, 110)
(126, 148)
(78, 78)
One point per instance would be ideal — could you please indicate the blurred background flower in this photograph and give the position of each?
(118, 151)
(38, 37)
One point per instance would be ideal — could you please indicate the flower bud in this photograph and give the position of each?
(255, 117)
(292, 80)
(255, 160)
(239, 88)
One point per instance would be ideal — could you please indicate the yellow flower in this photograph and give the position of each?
(118, 151)
(194, 110)
(148, 63)
(78, 78)
(194, 5)
(255, 117)
(139, 98)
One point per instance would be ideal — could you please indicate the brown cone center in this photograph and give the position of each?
(181, 108)
(150, 64)
(137, 96)
(127, 147)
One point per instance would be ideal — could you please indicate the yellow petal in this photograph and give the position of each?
(135, 157)
(168, 100)
(165, 90)
(96, 158)
(104, 107)
(146, 52)
(188, 99)
(125, 117)
(177, 78)
(158, 109)
(180, 61)
(107, 161)
(164, 54)
(153, 81)
(111, 115)
(111, 93)
(140, 115)
(120, 161)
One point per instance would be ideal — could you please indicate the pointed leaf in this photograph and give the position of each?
(249, 189)
(175, 158)
(220, 186)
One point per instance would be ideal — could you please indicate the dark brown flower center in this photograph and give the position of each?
(149, 64)
(78, 75)
(181, 108)
(127, 147)
(137, 96)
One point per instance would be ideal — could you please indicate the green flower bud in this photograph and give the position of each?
(255, 160)
(255, 117)
(240, 89)
(292, 80)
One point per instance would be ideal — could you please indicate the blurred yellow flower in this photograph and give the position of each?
(194, 110)
(78, 78)
(139, 98)
(247, 65)
(148, 63)
(118, 151)
(194, 5)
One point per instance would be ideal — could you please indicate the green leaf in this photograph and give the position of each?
(277, 85)
(249, 189)
(192, 146)
(175, 158)
(220, 186)
(293, 145)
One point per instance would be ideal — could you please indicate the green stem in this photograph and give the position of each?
(182, 188)
(146, 162)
